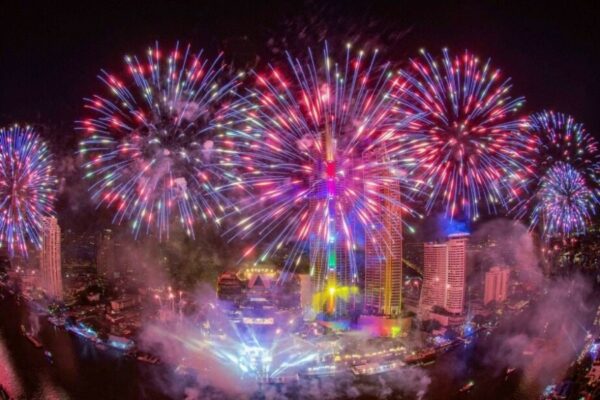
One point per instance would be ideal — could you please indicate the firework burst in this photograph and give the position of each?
(468, 145)
(561, 139)
(316, 145)
(147, 147)
(564, 204)
(567, 191)
(27, 188)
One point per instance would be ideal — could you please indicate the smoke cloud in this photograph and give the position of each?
(211, 353)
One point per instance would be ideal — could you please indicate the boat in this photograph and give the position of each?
(147, 358)
(508, 372)
(467, 387)
(35, 341)
(320, 370)
(374, 368)
(421, 357)
(49, 356)
(100, 346)
(280, 380)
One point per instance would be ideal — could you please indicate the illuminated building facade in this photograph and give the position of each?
(383, 255)
(435, 263)
(444, 274)
(229, 287)
(457, 268)
(496, 285)
(50, 262)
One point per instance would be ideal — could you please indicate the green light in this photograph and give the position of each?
(331, 261)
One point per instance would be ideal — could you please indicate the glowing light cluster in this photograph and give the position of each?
(27, 188)
(316, 153)
(147, 147)
(467, 145)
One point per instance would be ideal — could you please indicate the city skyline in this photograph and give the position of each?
(313, 200)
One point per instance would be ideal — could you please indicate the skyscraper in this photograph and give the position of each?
(50, 263)
(496, 285)
(383, 254)
(444, 274)
(106, 254)
(457, 267)
(435, 264)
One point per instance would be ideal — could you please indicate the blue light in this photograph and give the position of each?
(450, 226)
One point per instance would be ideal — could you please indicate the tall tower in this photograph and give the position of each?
(383, 249)
(331, 256)
(50, 263)
(323, 246)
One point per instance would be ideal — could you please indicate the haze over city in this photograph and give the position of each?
(311, 200)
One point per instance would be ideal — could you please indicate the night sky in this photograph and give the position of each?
(51, 53)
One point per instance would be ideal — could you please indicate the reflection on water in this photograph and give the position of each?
(8, 377)
(79, 370)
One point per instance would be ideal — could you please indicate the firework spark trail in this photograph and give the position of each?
(468, 144)
(316, 144)
(148, 148)
(27, 188)
(565, 195)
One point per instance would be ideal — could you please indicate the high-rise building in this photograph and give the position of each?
(435, 264)
(457, 268)
(444, 274)
(496, 285)
(50, 263)
(106, 254)
(383, 253)
(78, 248)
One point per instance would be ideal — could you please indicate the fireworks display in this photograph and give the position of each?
(27, 188)
(561, 139)
(317, 146)
(565, 204)
(566, 193)
(467, 145)
(148, 148)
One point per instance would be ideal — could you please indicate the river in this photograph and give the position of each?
(81, 371)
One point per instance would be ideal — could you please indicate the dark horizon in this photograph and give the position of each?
(52, 54)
